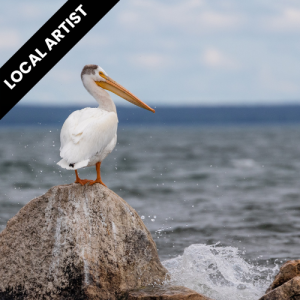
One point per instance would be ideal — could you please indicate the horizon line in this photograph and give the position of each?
(165, 105)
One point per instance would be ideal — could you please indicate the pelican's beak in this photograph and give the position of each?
(117, 89)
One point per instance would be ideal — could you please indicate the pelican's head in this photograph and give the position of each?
(100, 78)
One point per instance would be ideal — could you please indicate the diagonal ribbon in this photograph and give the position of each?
(47, 47)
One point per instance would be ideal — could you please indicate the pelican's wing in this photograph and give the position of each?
(85, 133)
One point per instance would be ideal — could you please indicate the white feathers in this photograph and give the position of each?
(64, 164)
(87, 136)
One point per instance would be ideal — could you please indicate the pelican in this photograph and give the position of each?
(90, 134)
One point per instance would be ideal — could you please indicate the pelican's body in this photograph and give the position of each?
(87, 137)
(90, 134)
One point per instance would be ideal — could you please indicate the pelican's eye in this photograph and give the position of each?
(102, 74)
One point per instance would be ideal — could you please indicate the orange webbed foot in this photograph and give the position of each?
(83, 181)
(97, 181)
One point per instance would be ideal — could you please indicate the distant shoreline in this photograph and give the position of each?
(164, 116)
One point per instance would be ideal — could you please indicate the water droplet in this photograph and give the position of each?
(241, 286)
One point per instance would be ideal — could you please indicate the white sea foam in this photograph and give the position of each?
(220, 273)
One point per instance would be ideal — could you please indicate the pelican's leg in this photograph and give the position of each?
(98, 164)
(81, 181)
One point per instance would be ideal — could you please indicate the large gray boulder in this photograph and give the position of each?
(76, 242)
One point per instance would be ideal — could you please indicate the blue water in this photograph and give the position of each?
(235, 186)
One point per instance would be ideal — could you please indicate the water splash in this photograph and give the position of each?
(220, 273)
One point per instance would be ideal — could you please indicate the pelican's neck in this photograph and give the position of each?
(102, 96)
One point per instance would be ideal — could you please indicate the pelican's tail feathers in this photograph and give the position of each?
(64, 164)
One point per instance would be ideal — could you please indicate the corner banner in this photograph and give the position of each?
(47, 47)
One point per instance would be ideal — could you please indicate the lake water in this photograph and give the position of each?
(222, 203)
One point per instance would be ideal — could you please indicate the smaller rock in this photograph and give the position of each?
(164, 293)
(290, 290)
(287, 271)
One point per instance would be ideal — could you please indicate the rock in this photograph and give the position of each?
(287, 271)
(290, 290)
(76, 242)
(163, 293)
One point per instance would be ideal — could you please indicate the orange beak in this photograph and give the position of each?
(117, 89)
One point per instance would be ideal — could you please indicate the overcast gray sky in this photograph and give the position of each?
(172, 52)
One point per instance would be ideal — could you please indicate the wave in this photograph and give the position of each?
(220, 273)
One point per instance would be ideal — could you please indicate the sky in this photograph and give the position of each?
(172, 52)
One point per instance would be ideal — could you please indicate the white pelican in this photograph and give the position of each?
(90, 134)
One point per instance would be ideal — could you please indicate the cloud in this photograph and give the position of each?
(95, 40)
(31, 11)
(9, 39)
(214, 58)
(220, 46)
(190, 16)
(212, 20)
(129, 18)
(63, 76)
(287, 20)
(277, 82)
(37, 10)
(151, 61)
